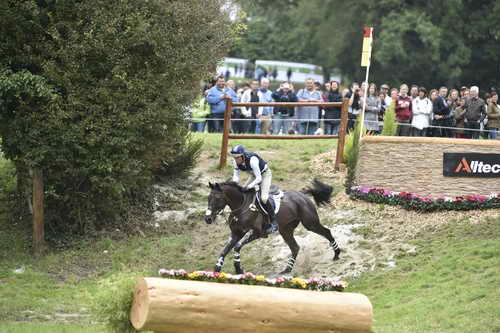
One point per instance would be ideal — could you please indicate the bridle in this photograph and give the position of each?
(236, 212)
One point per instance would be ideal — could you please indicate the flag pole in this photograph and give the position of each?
(366, 62)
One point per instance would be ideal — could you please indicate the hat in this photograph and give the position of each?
(464, 88)
(238, 150)
(285, 85)
(384, 86)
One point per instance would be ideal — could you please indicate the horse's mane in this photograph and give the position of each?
(234, 184)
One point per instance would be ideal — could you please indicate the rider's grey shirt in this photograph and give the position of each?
(254, 164)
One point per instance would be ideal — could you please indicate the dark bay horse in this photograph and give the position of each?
(246, 222)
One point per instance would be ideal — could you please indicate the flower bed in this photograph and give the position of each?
(259, 280)
(425, 203)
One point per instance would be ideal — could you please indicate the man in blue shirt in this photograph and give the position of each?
(216, 98)
(308, 116)
(267, 111)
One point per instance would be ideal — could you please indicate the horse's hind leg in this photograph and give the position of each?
(312, 224)
(287, 233)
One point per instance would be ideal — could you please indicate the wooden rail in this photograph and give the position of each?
(341, 137)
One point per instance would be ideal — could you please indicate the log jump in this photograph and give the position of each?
(165, 305)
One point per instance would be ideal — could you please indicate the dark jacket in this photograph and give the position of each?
(246, 166)
(441, 107)
(333, 112)
(280, 96)
(475, 108)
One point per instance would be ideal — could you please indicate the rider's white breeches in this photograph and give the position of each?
(265, 185)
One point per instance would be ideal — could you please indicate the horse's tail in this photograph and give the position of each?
(321, 192)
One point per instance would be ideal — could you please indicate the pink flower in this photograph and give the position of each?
(364, 189)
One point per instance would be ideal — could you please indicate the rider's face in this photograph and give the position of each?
(239, 160)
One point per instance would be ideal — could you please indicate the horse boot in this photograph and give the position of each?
(273, 226)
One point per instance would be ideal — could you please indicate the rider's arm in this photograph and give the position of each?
(254, 164)
(236, 172)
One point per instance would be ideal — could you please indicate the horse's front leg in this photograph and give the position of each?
(249, 237)
(228, 247)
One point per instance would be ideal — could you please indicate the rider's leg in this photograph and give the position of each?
(264, 194)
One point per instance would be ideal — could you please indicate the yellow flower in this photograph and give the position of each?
(300, 282)
(222, 276)
(193, 275)
(260, 278)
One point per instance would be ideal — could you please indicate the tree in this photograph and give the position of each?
(430, 43)
(96, 94)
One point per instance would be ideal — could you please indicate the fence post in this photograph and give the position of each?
(38, 214)
(225, 135)
(342, 132)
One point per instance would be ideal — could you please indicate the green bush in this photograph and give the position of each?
(351, 154)
(390, 124)
(7, 178)
(96, 94)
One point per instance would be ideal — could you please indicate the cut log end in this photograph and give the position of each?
(140, 306)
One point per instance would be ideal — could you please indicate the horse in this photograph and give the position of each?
(246, 222)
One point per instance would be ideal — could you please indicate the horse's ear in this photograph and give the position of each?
(210, 185)
(217, 187)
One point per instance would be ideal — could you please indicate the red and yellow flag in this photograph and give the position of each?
(367, 46)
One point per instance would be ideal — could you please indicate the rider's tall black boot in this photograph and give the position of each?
(272, 216)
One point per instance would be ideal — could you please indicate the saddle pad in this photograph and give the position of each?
(275, 202)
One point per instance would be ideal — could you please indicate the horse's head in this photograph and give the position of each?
(216, 202)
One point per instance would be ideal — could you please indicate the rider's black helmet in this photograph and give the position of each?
(237, 150)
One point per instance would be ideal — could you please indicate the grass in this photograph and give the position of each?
(451, 285)
(289, 159)
(49, 328)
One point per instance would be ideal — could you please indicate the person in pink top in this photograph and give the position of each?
(403, 112)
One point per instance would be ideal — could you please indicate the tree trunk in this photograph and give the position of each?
(164, 305)
(38, 213)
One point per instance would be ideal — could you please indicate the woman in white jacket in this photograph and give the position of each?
(422, 109)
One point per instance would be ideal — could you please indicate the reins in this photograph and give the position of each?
(236, 212)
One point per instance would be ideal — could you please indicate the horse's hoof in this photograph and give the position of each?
(286, 271)
(217, 269)
(240, 272)
(337, 255)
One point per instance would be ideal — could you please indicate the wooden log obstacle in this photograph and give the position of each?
(165, 305)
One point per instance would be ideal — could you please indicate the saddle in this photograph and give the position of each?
(275, 196)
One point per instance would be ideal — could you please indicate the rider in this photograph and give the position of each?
(260, 174)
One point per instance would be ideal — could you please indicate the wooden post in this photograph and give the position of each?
(38, 215)
(225, 136)
(342, 132)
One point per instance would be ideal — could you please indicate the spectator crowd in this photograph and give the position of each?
(439, 112)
